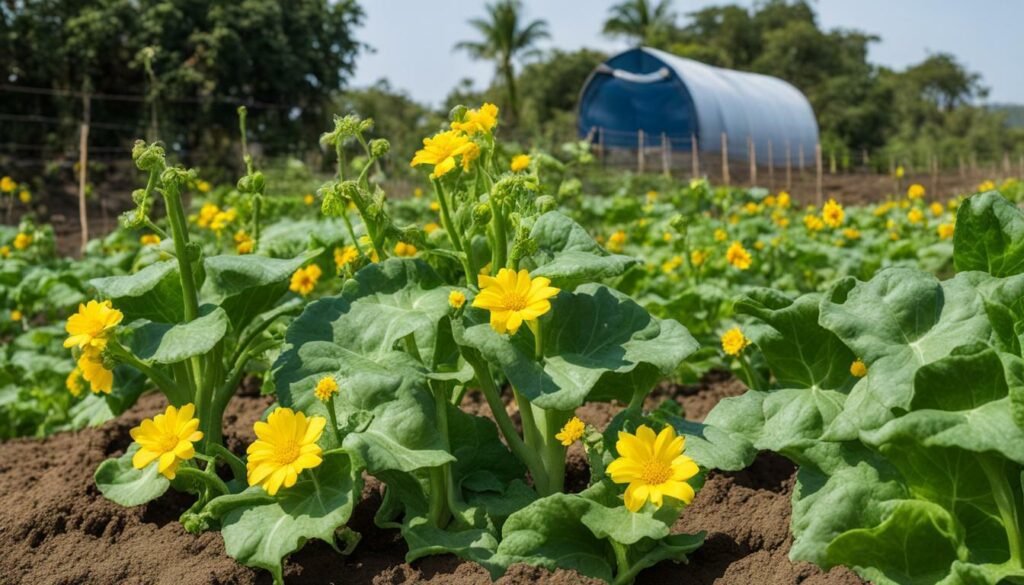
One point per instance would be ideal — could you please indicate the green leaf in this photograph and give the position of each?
(989, 236)
(569, 256)
(166, 343)
(598, 345)
(120, 482)
(245, 286)
(262, 534)
(153, 293)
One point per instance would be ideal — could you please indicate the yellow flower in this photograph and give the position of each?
(479, 121)
(899, 172)
(149, 239)
(915, 215)
(25, 197)
(759, 245)
(440, 150)
(456, 299)
(22, 241)
(671, 264)
(203, 187)
(734, 342)
(167, 439)
(513, 298)
(430, 228)
(734, 219)
(417, 192)
(770, 201)
(285, 446)
(858, 369)
(16, 315)
(616, 241)
(5, 251)
(937, 208)
(308, 199)
(813, 223)
(74, 382)
(206, 214)
(751, 208)
(304, 280)
(652, 196)
(485, 270)
(986, 186)
(403, 250)
(243, 242)
(222, 219)
(894, 236)
(92, 324)
(435, 206)
(915, 191)
(698, 257)
(780, 219)
(571, 431)
(519, 162)
(738, 256)
(343, 256)
(7, 185)
(472, 153)
(90, 362)
(832, 214)
(666, 237)
(783, 199)
(945, 230)
(851, 233)
(721, 235)
(654, 467)
(326, 387)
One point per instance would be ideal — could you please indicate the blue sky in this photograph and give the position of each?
(414, 38)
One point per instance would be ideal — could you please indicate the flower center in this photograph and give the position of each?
(286, 453)
(168, 443)
(655, 472)
(514, 302)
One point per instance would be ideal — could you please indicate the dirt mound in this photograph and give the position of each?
(56, 528)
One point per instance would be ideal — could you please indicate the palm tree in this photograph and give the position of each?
(504, 39)
(639, 20)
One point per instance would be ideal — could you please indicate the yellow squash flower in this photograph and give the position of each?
(440, 150)
(721, 235)
(203, 187)
(417, 192)
(698, 257)
(206, 214)
(25, 197)
(243, 242)
(403, 250)
(986, 186)
(22, 241)
(472, 153)
(167, 439)
(734, 342)
(344, 256)
(7, 185)
(90, 362)
(832, 214)
(326, 388)
(519, 162)
(5, 251)
(738, 256)
(945, 230)
(783, 200)
(770, 201)
(851, 233)
(651, 196)
(308, 199)
(285, 446)
(480, 121)
(456, 299)
(900, 172)
(513, 298)
(915, 215)
(937, 208)
(430, 228)
(571, 431)
(149, 239)
(74, 382)
(915, 191)
(670, 265)
(435, 206)
(751, 208)
(616, 241)
(858, 369)
(813, 223)
(92, 324)
(654, 467)
(304, 280)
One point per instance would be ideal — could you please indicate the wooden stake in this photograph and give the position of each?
(83, 164)
(694, 157)
(771, 168)
(818, 169)
(832, 162)
(640, 151)
(961, 166)
(935, 176)
(752, 155)
(801, 159)
(725, 159)
(789, 167)
(666, 156)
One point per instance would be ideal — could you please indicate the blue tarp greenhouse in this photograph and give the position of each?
(675, 99)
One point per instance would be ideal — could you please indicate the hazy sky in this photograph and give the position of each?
(413, 39)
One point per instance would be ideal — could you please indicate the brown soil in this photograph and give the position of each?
(55, 527)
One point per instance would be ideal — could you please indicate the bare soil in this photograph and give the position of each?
(56, 528)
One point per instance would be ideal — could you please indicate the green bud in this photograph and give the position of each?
(458, 113)
(482, 214)
(254, 183)
(177, 178)
(678, 223)
(149, 157)
(365, 126)
(133, 219)
(546, 203)
(193, 251)
(379, 147)
(139, 196)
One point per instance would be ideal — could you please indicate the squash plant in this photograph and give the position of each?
(388, 361)
(900, 398)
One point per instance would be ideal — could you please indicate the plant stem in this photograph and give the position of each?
(236, 464)
(1005, 500)
(499, 254)
(332, 418)
(210, 480)
(553, 452)
(449, 227)
(439, 485)
(163, 383)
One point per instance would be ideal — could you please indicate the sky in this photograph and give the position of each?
(413, 39)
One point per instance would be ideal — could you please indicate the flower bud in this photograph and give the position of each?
(379, 147)
(253, 183)
(458, 113)
(546, 203)
(148, 157)
(482, 214)
(678, 222)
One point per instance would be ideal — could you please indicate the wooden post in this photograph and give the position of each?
(974, 162)
(640, 151)
(817, 163)
(961, 166)
(1020, 167)
(832, 162)
(752, 156)
(771, 168)
(1006, 164)
(694, 157)
(789, 167)
(865, 157)
(666, 156)
(725, 159)
(83, 164)
(935, 176)
(801, 159)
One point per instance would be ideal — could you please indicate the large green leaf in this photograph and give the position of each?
(153, 293)
(989, 236)
(598, 345)
(569, 256)
(166, 343)
(120, 482)
(263, 533)
(245, 286)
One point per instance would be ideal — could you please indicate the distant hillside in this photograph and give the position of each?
(1014, 113)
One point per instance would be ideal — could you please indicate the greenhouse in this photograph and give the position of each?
(647, 97)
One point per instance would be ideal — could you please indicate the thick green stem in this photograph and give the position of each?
(175, 395)
(753, 380)
(500, 251)
(179, 232)
(332, 418)
(237, 465)
(209, 480)
(449, 226)
(1006, 501)
(439, 476)
(553, 452)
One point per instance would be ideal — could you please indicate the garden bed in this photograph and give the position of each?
(56, 528)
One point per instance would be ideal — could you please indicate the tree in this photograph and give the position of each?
(504, 39)
(640, 20)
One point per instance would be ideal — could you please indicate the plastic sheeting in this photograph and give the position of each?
(672, 98)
